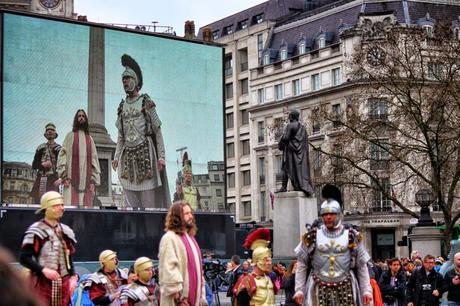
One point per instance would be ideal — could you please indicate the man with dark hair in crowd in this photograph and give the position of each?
(47, 250)
(425, 285)
(45, 162)
(181, 272)
(452, 282)
(233, 275)
(78, 165)
(393, 284)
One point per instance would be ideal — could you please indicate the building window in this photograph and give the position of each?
(260, 132)
(302, 48)
(246, 177)
(296, 87)
(336, 115)
(317, 162)
(266, 58)
(428, 30)
(336, 77)
(321, 42)
(279, 168)
(229, 121)
(218, 192)
(215, 34)
(316, 123)
(247, 208)
(379, 154)
(434, 71)
(245, 146)
(12, 185)
(260, 45)
(216, 177)
(263, 208)
(243, 59)
(261, 95)
(283, 54)
(278, 92)
(378, 109)
(228, 29)
(228, 65)
(244, 117)
(337, 161)
(244, 86)
(315, 84)
(228, 91)
(259, 18)
(381, 203)
(231, 180)
(230, 150)
(278, 126)
(243, 24)
(261, 166)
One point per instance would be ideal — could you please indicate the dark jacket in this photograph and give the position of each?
(231, 279)
(289, 288)
(421, 286)
(390, 294)
(453, 291)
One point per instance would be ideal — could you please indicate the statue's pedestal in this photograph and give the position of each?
(105, 149)
(292, 211)
(426, 240)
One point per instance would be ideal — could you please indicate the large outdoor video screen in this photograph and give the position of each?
(152, 103)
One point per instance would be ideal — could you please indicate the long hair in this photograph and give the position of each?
(75, 122)
(175, 220)
(291, 267)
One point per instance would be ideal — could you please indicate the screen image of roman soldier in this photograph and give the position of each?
(184, 185)
(143, 291)
(104, 285)
(47, 251)
(45, 162)
(257, 288)
(78, 165)
(140, 154)
(332, 262)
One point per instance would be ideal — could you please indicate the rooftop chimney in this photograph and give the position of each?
(189, 29)
(207, 34)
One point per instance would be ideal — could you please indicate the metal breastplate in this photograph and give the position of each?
(52, 254)
(190, 196)
(331, 259)
(137, 293)
(265, 294)
(133, 122)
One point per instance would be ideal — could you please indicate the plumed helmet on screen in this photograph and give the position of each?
(132, 70)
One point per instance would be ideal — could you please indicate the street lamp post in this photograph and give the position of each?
(424, 198)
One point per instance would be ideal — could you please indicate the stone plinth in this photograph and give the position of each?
(292, 211)
(426, 240)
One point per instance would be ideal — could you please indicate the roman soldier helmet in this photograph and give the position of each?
(140, 265)
(186, 163)
(50, 126)
(332, 204)
(50, 199)
(132, 70)
(258, 242)
(106, 259)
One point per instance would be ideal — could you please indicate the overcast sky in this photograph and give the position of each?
(167, 13)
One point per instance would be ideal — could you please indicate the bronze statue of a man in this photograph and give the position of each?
(296, 166)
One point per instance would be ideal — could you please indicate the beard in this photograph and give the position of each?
(189, 225)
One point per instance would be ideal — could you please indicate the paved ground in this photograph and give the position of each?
(225, 301)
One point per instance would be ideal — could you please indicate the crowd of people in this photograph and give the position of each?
(332, 268)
